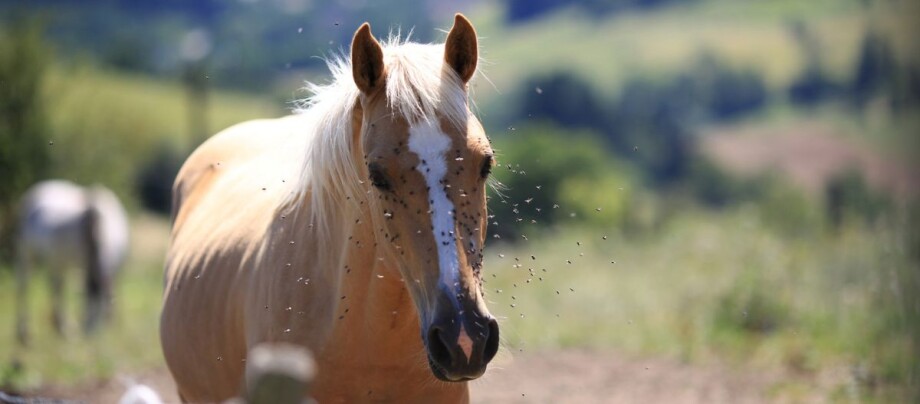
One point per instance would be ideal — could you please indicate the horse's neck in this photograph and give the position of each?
(374, 304)
(342, 260)
(374, 301)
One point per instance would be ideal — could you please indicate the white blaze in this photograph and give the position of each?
(465, 343)
(431, 145)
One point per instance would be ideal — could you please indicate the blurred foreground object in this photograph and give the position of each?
(278, 374)
(275, 374)
(140, 394)
(62, 224)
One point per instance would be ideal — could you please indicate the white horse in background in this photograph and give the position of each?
(63, 224)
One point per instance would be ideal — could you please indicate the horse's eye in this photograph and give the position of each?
(378, 178)
(486, 167)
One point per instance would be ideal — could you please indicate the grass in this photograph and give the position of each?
(707, 286)
(717, 286)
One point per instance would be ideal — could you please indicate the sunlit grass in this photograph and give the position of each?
(712, 286)
(707, 286)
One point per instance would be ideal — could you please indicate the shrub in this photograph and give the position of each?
(876, 69)
(712, 185)
(649, 123)
(603, 201)
(724, 93)
(781, 206)
(569, 101)
(787, 209)
(156, 177)
(848, 197)
(550, 173)
(812, 87)
(750, 308)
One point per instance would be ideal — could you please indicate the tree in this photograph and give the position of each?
(876, 69)
(24, 139)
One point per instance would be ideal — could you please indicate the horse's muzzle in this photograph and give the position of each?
(460, 347)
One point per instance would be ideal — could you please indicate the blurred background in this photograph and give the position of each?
(702, 200)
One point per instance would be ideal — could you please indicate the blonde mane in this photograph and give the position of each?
(419, 87)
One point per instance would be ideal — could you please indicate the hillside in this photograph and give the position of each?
(118, 121)
(613, 49)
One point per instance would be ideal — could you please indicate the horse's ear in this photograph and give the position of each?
(366, 60)
(461, 51)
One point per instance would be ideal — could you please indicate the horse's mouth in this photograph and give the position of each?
(459, 358)
(441, 374)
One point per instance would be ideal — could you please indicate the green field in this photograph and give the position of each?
(118, 121)
(702, 288)
(719, 287)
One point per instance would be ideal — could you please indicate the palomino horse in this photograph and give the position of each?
(63, 224)
(350, 229)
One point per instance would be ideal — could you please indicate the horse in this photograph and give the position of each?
(353, 228)
(62, 224)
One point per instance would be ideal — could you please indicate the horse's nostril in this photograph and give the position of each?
(491, 347)
(437, 347)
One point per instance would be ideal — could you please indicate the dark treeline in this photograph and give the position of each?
(249, 43)
(567, 164)
(649, 123)
(523, 10)
(578, 134)
(877, 73)
(199, 9)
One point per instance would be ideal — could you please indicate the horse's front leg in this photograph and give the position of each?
(23, 266)
(98, 300)
(56, 282)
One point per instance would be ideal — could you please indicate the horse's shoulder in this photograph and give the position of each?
(236, 157)
(228, 150)
(232, 144)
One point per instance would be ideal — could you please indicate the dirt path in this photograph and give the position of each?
(576, 376)
(567, 376)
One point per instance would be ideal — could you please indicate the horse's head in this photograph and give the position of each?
(427, 160)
